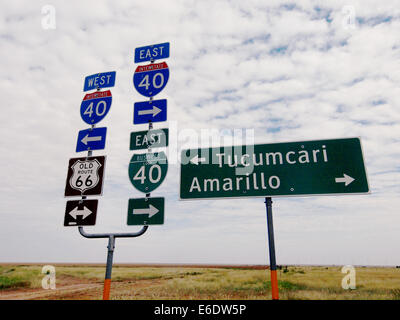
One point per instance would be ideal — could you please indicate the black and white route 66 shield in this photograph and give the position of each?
(85, 176)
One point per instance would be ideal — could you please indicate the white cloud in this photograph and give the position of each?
(291, 69)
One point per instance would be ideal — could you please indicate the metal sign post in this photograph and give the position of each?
(271, 244)
(110, 253)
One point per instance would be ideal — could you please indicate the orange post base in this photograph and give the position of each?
(274, 285)
(106, 290)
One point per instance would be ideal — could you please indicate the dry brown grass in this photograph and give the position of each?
(320, 283)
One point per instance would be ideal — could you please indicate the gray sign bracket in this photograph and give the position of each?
(111, 245)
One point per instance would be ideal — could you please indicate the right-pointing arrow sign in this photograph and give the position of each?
(146, 111)
(151, 211)
(346, 179)
(155, 111)
(145, 211)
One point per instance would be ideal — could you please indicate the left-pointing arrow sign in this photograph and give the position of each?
(87, 139)
(80, 213)
(91, 139)
(196, 159)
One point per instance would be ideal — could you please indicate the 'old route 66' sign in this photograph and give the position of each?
(85, 176)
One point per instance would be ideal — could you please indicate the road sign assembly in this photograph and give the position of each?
(95, 106)
(145, 211)
(302, 168)
(80, 213)
(85, 176)
(91, 139)
(149, 80)
(150, 111)
(99, 80)
(147, 171)
(280, 169)
(153, 52)
(154, 138)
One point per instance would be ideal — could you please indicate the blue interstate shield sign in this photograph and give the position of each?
(149, 80)
(153, 52)
(91, 139)
(99, 80)
(150, 111)
(95, 106)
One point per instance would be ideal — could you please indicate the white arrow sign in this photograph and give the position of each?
(196, 159)
(346, 179)
(84, 213)
(151, 211)
(87, 139)
(155, 111)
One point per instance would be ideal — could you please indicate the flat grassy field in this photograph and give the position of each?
(147, 282)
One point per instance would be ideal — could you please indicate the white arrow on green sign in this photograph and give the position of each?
(145, 211)
(302, 168)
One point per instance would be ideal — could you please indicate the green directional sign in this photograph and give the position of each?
(318, 167)
(155, 138)
(145, 211)
(147, 171)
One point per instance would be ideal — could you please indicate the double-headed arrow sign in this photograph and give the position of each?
(281, 169)
(80, 213)
(83, 212)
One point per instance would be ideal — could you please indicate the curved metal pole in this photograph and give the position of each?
(111, 245)
(115, 235)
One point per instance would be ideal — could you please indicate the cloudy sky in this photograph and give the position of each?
(289, 71)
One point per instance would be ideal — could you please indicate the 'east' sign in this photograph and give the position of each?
(155, 138)
(153, 52)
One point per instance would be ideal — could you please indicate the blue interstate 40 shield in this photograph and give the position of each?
(95, 106)
(149, 80)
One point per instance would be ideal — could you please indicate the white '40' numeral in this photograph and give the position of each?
(100, 106)
(145, 81)
(141, 175)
